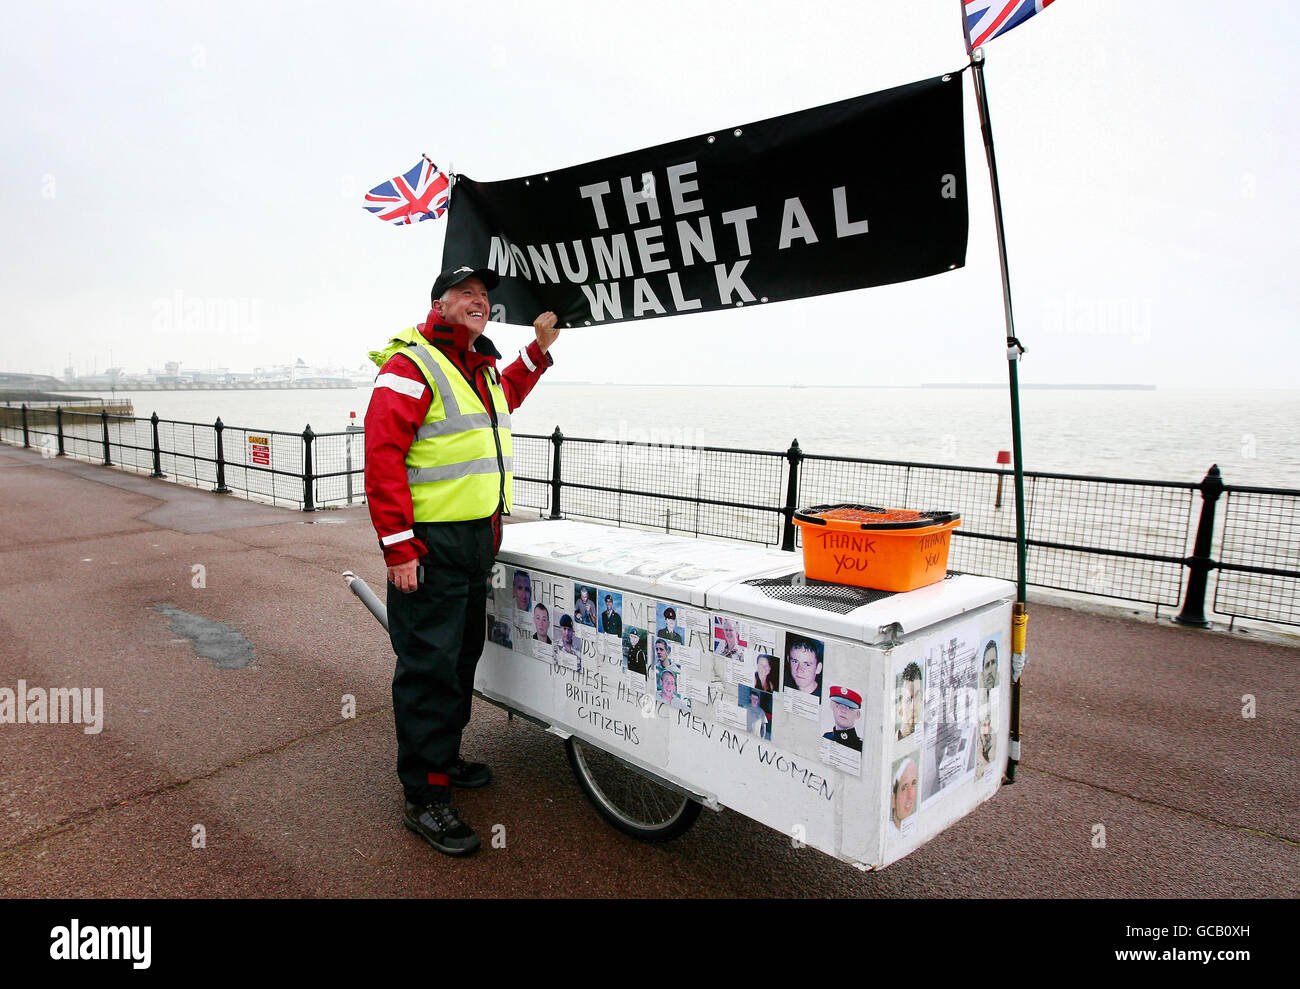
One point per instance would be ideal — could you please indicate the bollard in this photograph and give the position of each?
(157, 452)
(221, 459)
(58, 425)
(108, 455)
(557, 438)
(352, 428)
(308, 500)
(26, 440)
(1004, 458)
(1200, 563)
(794, 456)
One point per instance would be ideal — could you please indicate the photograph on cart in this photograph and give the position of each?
(841, 717)
(584, 605)
(802, 675)
(611, 615)
(666, 685)
(635, 658)
(951, 711)
(908, 696)
(902, 795)
(568, 647)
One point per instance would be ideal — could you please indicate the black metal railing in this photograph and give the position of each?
(1172, 544)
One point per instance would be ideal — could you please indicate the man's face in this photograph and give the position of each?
(905, 798)
(633, 638)
(990, 663)
(568, 636)
(670, 684)
(670, 623)
(804, 667)
(542, 620)
(466, 303)
(906, 705)
(661, 652)
(521, 595)
(583, 594)
(609, 606)
(845, 716)
(753, 698)
(729, 634)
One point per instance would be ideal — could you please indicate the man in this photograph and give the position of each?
(846, 709)
(669, 631)
(757, 719)
(567, 640)
(523, 590)
(804, 665)
(636, 657)
(907, 701)
(729, 645)
(662, 651)
(584, 608)
(902, 802)
(438, 480)
(542, 622)
(610, 622)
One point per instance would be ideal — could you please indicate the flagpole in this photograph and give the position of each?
(1020, 615)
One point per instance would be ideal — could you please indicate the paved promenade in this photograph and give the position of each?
(1130, 725)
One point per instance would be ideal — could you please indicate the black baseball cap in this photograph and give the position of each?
(454, 276)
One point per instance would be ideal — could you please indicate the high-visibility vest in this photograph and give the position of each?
(460, 465)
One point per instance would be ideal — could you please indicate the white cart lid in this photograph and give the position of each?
(711, 574)
(655, 564)
(911, 611)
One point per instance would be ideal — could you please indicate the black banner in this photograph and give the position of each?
(862, 192)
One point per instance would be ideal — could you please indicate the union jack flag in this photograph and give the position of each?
(420, 194)
(986, 19)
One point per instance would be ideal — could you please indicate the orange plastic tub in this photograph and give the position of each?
(885, 549)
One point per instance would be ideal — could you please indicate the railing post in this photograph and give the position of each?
(795, 457)
(1200, 563)
(27, 443)
(157, 451)
(557, 439)
(221, 488)
(58, 425)
(108, 453)
(308, 499)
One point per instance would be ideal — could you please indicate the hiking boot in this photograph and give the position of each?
(440, 825)
(469, 774)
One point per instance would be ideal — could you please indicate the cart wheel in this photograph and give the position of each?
(628, 800)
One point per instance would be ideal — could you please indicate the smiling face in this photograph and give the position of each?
(465, 303)
(905, 792)
(764, 667)
(805, 669)
(668, 686)
(729, 634)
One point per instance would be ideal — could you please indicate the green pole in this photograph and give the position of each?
(1014, 350)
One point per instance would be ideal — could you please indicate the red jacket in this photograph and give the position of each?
(397, 409)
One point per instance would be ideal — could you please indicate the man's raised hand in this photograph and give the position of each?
(546, 331)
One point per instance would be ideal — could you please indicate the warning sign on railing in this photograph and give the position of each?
(259, 450)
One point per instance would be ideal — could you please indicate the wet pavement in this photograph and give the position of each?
(226, 645)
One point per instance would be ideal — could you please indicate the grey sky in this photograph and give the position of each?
(183, 180)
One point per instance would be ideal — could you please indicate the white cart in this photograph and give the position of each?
(856, 722)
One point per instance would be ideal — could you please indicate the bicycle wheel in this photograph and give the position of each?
(633, 803)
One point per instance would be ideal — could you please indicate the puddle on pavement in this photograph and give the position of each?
(217, 641)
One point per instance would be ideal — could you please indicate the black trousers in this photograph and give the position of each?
(437, 633)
